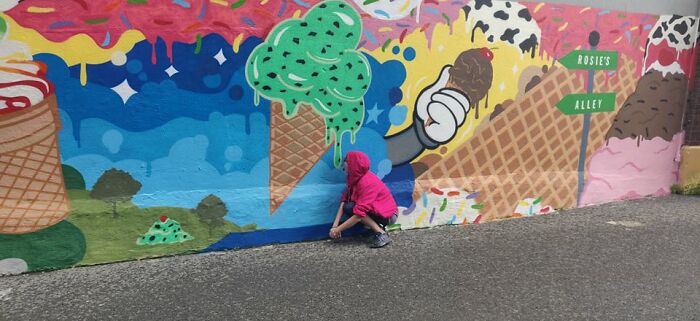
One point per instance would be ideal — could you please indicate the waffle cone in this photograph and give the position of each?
(296, 144)
(32, 192)
(531, 149)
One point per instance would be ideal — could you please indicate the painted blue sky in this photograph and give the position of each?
(190, 128)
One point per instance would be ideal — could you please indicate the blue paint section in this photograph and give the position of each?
(266, 237)
(400, 182)
(192, 129)
(182, 3)
(107, 40)
(302, 3)
(383, 93)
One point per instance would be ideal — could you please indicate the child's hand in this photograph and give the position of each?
(334, 233)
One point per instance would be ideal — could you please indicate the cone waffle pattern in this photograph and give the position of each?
(32, 192)
(531, 149)
(296, 144)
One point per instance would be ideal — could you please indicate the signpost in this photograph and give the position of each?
(588, 103)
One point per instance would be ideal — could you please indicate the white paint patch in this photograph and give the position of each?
(255, 68)
(279, 36)
(346, 19)
(124, 90)
(220, 57)
(674, 68)
(6, 5)
(171, 71)
(296, 78)
(13, 266)
(626, 223)
(118, 58)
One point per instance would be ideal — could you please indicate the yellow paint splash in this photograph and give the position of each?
(405, 6)
(584, 9)
(563, 27)
(263, 2)
(508, 64)
(297, 13)
(78, 49)
(220, 2)
(539, 6)
(421, 217)
(461, 209)
(83, 74)
(34, 9)
(237, 42)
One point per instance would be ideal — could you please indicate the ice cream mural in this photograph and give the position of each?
(133, 129)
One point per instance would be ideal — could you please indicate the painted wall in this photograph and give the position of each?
(680, 7)
(141, 128)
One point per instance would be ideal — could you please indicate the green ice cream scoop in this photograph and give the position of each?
(313, 61)
(3, 28)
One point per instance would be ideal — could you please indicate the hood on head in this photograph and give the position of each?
(357, 166)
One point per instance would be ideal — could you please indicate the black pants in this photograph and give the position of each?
(381, 221)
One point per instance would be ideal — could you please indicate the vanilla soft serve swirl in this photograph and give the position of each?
(22, 81)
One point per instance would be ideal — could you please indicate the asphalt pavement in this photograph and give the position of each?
(636, 260)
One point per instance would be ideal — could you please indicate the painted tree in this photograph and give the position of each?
(72, 177)
(115, 186)
(211, 210)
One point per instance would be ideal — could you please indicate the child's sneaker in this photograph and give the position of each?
(380, 240)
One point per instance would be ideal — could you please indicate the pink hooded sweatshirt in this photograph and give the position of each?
(366, 189)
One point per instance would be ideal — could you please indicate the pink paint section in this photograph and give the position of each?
(564, 28)
(171, 21)
(622, 170)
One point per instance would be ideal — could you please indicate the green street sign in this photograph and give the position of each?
(590, 60)
(575, 104)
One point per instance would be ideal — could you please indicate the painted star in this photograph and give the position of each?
(220, 57)
(373, 114)
(171, 71)
(124, 90)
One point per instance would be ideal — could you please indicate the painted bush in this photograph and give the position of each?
(228, 119)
